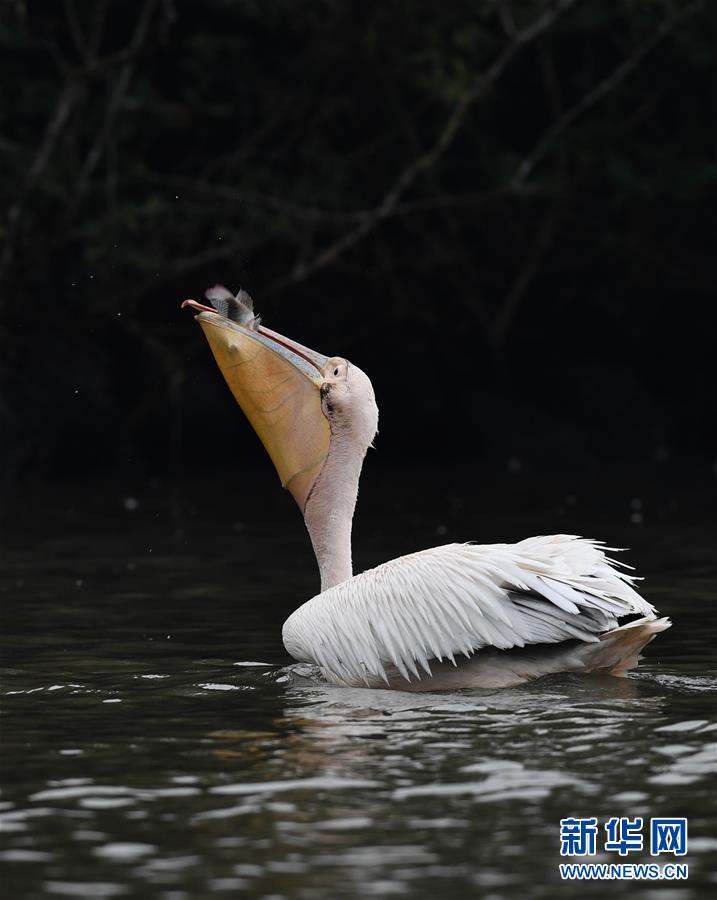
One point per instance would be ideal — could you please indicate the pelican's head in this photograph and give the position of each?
(348, 403)
(300, 403)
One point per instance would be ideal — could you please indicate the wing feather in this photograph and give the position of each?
(459, 598)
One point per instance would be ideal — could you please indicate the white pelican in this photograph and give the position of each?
(456, 616)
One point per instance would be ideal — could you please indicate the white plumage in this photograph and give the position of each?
(457, 599)
(514, 611)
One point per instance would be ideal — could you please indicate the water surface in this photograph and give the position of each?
(154, 747)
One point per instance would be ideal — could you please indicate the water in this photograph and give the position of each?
(153, 746)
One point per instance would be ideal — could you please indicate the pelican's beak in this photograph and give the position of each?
(277, 383)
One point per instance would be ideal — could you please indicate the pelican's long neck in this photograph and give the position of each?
(330, 510)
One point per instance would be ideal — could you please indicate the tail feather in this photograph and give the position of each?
(618, 650)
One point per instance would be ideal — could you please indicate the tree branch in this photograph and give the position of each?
(74, 27)
(119, 90)
(506, 312)
(604, 87)
(64, 106)
(443, 142)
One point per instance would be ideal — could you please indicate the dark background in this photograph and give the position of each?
(503, 211)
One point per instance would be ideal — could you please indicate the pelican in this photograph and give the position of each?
(452, 617)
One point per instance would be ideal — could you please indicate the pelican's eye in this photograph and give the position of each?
(336, 369)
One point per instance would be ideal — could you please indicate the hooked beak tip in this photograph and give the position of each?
(198, 306)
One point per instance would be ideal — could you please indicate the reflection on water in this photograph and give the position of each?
(154, 746)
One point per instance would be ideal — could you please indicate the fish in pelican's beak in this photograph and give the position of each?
(275, 381)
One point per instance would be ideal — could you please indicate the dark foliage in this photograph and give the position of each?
(504, 211)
